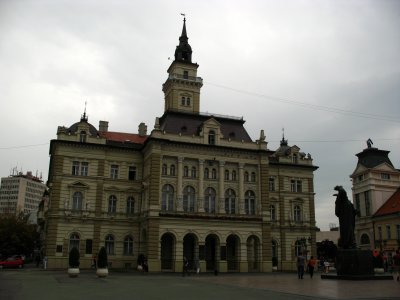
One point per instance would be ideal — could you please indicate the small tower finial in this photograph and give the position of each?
(84, 118)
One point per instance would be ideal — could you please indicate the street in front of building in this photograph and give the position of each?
(51, 284)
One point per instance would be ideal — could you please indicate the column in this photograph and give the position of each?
(200, 198)
(241, 189)
(179, 185)
(221, 187)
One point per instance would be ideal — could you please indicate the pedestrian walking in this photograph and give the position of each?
(326, 266)
(301, 261)
(311, 266)
(94, 261)
(396, 264)
(185, 267)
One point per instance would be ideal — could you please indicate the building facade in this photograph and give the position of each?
(375, 180)
(197, 186)
(386, 222)
(21, 193)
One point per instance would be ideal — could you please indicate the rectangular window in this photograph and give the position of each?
(367, 203)
(88, 248)
(357, 200)
(185, 74)
(379, 233)
(114, 172)
(75, 168)
(132, 173)
(59, 248)
(271, 184)
(388, 233)
(84, 168)
(296, 186)
(385, 176)
(398, 232)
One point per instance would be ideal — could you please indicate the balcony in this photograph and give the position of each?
(184, 77)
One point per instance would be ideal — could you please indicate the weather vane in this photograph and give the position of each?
(184, 16)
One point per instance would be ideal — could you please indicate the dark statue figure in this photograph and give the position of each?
(346, 213)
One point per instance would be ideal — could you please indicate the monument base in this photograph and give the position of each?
(354, 262)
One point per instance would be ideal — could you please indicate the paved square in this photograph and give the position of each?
(40, 284)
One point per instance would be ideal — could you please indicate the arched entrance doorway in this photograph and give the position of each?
(253, 253)
(190, 244)
(167, 252)
(212, 244)
(232, 253)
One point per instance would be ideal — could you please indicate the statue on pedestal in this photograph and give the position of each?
(346, 213)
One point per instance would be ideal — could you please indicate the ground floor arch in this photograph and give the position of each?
(167, 252)
(253, 253)
(232, 253)
(212, 252)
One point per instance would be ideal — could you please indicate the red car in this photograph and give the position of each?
(12, 262)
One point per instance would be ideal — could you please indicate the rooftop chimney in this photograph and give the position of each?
(103, 126)
(142, 129)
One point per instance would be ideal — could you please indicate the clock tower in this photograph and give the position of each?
(182, 87)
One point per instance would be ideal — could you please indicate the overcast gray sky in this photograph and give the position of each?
(326, 71)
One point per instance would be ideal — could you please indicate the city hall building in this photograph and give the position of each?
(197, 185)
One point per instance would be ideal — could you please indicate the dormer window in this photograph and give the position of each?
(82, 137)
(211, 137)
(294, 158)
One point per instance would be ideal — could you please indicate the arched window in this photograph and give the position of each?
(214, 174)
(189, 199)
(128, 245)
(226, 174)
(230, 198)
(74, 241)
(82, 136)
(206, 173)
(77, 199)
(209, 200)
(164, 169)
(272, 212)
(188, 101)
(109, 244)
(364, 239)
(297, 213)
(130, 205)
(183, 101)
(211, 137)
(250, 203)
(112, 204)
(194, 175)
(167, 200)
(234, 178)
(253, 176)
(172, 170)
(185, 171)
(246, 176)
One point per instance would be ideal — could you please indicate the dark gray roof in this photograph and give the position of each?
(190, 124)
(372, 157)
(74, 128)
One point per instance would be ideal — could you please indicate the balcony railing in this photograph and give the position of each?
(189, 78)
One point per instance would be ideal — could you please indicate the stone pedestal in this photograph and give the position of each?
(354, 262)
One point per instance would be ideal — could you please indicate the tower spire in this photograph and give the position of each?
(183, 51)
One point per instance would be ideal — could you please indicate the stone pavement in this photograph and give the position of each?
(48, 284)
